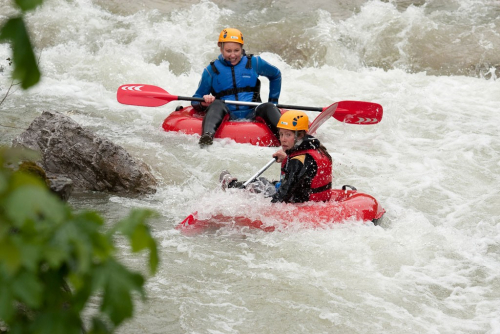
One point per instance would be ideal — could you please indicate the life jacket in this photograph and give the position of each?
(236, 83)
(321, 183)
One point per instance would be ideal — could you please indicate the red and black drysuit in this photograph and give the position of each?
(306, 174)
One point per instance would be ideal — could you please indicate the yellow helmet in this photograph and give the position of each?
(231, 35)
(294, 120)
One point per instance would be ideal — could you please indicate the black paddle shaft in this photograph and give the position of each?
(243, 103)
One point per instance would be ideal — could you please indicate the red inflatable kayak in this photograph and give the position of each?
(256, 132)
(345, 205)
(188, 121)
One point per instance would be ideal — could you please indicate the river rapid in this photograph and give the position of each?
(432, 266)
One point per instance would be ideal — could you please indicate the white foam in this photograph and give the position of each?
(433, 163)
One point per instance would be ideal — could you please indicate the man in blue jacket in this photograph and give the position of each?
(234, 75)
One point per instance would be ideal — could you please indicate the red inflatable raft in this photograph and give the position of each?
(188, 121)
(345, 205)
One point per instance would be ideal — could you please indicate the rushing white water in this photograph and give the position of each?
(433, 162)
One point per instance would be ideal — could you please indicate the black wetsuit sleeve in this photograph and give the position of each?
(236, 184)
(296, 187)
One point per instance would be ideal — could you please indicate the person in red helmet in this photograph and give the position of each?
(306, 165)
(234, 75)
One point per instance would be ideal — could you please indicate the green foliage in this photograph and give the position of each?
(28, 4)
(53, 260)
(14, 31)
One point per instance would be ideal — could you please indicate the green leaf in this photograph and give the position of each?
(136, 217)
(10, 256)
(3, 182)
(82, 289)
(26, 5)
(98, 327)
(15, 155)
(27, 289)
(90, 223)
(6, 300)
(153, 257)
(54, 255)
(74, 241)
(79, 241)
(19, 179)
(30, 254)
(44, 245)
(118, 284)
(36, 204)
(25, 65)
(135, 228)
(57, 322)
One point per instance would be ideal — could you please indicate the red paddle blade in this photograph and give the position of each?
(143, 95)
(358, 112)
(322, 118)
(351, 112)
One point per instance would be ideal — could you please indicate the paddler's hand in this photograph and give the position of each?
(279, 156)
(208, 100)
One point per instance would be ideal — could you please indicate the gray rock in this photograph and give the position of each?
(91, 162)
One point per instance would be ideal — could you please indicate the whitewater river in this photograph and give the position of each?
(433, 266)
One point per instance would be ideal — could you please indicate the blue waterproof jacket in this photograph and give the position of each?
(239, 83)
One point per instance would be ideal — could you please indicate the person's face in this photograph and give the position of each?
(287, 139)
(232, 52)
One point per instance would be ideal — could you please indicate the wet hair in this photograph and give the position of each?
(324, 151)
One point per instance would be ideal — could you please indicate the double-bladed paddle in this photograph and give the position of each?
(351, 112)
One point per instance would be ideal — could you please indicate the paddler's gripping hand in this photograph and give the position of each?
(279, 156)
(208, 99)
(227, 180)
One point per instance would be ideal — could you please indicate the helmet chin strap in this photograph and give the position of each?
(297, 141)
